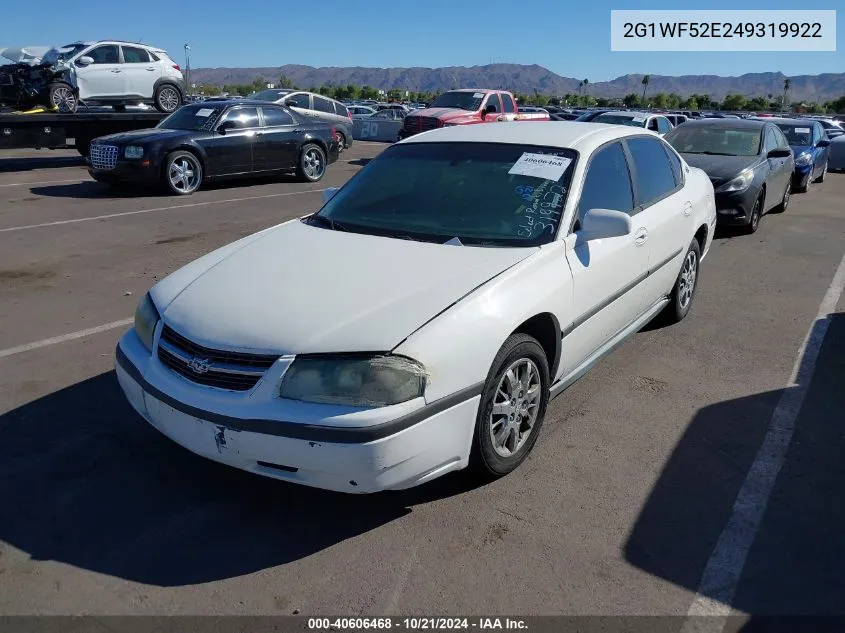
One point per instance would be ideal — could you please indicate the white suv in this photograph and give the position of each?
(115, 73)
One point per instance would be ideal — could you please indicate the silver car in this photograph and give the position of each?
(314, 105)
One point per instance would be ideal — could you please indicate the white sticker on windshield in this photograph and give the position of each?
(802, 130)
(478, 95)
(205, 112)
(638, 119)
(540, 166)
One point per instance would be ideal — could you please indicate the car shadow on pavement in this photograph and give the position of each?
(29, 163)
(795, 564)
(85, 481)
(361, 162)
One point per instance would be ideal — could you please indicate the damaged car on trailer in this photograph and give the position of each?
(38, 77)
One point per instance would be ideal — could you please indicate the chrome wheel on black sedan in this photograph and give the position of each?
(182, 173)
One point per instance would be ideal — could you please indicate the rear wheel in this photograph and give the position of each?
(512, 407)
(63, 97)
(182, 173)
(167, 98)
(680, 301)
(340, 137)
(312, 163)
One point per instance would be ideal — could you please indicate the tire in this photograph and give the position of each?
(490, 459)
(311, 166)
(683, 292)
(83, 146)
(806, 187)
(182, 173)
(63, 97)
(823, 174)
(756, 216)
(784, 203)
(341, 140)
(167, 98)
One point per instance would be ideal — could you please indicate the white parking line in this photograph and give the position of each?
(44, 182)
(724, 568)
(175, 206)
(11, 351)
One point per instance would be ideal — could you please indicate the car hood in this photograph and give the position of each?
(298, 289)
(720, 169)
(140, 136)
(444, 114)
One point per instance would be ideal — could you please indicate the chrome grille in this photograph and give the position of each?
(235, 371)
(421, 123)
(103, 156)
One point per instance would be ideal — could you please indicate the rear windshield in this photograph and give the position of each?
(464, 100)
(197, 117)
(483, 194)
(618, 119)
(797, 133)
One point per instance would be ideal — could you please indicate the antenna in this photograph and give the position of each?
(140, 39)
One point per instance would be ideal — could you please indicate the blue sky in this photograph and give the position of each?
(570, 37)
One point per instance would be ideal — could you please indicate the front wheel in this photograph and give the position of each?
(823, 174)
(512, 407)
(63, 97)
(182, 173)
(756, 215)
(680, 300)
(784, 203)
(312, 163)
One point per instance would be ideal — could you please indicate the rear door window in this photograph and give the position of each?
(321, 104)
(653, 175)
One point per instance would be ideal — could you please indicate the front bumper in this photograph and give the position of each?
(801, 175)
(344, 459)
(135, 170)
(734, 208)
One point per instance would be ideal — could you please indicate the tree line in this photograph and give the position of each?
(582, 98)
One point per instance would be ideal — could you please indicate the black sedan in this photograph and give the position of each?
(749, 163)
(212, 140)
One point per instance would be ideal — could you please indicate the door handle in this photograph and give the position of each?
(640, 237)
(115, 70)
(151, 69)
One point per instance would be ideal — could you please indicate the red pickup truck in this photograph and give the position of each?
(465, 107)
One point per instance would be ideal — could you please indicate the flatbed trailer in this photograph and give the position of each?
(54, 130)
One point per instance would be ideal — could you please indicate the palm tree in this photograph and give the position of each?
(787, 84)
(644, 82)
(585, 82)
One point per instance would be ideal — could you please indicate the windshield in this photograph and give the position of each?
(797, 133)
(269, 95)
(479, 193)
(720, 140)
(196, 117)
(621, 119)
(62, 54)
(464, 100)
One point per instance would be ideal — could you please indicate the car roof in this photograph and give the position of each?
(580, 136)
(751, 124)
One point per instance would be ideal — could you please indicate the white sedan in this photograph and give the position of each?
(421, 320)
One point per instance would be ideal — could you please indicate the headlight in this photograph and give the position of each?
(740, 183)
(354, 380)
(146, 319)
(803, 160)
(133, 151)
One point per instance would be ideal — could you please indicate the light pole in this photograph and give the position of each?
(188, 68)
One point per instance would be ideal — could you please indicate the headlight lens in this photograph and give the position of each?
(740, 183)
(803, 160)
(133, 151)
(354, 380)
(146, 319)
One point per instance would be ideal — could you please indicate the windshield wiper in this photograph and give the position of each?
(326, 222)
(709, 153)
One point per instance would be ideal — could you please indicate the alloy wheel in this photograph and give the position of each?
(689, 274)
(184, 174)
(63, 99)
(168, 98)
(313, 164)
(515, 407)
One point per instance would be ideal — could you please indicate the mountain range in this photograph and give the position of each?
(526, 79)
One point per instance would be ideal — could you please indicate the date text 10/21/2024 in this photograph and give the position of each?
(417, 624)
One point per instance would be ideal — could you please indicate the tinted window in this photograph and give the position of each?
(132, 55)
(243, 117)
(493, 102)
(619, 119)
(771, 140)
(302, 100)
(608, 182)
(507, 104)
(276, 116)
(341, 109)
(675, 162)
(321, 104)
(663, 125)
(653, 175)
(192, 117)
(105, 54)
(269, 95)
(652, 125)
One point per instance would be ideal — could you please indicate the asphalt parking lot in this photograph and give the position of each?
(629, 496)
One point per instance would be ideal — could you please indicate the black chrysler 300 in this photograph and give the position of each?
(218, 139)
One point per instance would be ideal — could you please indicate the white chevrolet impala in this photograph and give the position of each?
(421, 320)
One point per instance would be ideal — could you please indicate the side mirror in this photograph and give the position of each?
(329, 193)
(85, 60)
(490, 109)
(599, 224)
(225, 126)
(291, 103)
(823, 143)
(779, 152)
